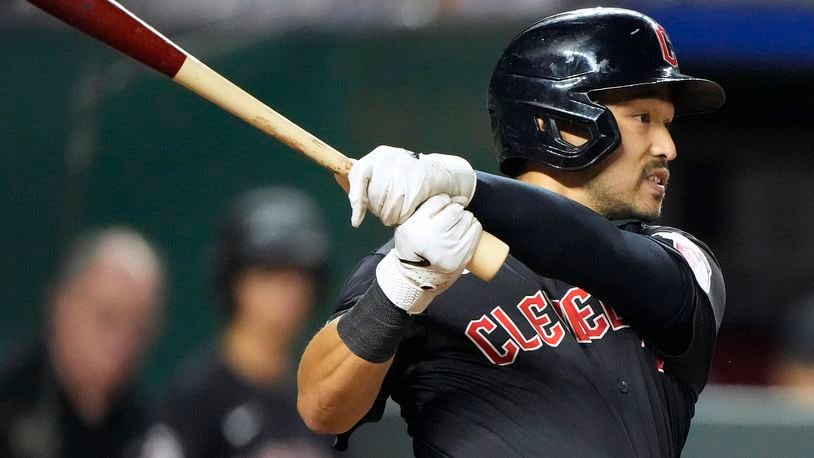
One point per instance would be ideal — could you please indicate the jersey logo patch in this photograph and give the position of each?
(693, 255)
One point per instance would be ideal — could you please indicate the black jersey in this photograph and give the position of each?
(212, 412)
(38, 419)
(528, 365)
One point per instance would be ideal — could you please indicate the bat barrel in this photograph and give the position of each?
(111, 23)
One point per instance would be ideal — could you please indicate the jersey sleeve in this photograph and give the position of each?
(704, 266)
(641, 277)
(706, 310)
(360, 280)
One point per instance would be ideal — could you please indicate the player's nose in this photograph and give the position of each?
(663, 145)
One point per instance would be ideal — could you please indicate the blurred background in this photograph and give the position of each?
(91, 138)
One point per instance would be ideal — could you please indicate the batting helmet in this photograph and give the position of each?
(552, 70)
(268, 228)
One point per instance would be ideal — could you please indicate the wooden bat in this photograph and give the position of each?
(111, 23)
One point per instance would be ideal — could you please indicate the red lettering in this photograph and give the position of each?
(533, 308)
(616, 321)
(666, 47)
(585, 329)
(526, 344)
(477, 331)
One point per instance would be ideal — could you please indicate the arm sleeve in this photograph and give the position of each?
(653, 289)
(693, 363)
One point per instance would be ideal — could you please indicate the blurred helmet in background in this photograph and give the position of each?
(273, 227)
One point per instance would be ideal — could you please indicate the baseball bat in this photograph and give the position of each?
(111, 23)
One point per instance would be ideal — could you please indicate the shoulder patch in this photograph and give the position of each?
(694, 256)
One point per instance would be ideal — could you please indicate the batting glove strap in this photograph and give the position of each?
(373, 328)
(401, 287)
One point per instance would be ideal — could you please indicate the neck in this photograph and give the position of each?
(567, 184)
(256, 355)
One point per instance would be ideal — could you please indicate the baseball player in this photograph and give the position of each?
(595, 338)
(237, 398)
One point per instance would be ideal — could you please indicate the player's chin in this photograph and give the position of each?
(652, 213)
(648, 207)
(647, 210)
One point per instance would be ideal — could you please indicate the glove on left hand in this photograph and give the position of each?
(393, 182)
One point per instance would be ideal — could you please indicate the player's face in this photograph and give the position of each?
(632, 181)
(104, 322)
(278, 301)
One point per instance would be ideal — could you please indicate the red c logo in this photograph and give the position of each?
(666, 47)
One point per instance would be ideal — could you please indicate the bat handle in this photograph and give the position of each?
(490, 254)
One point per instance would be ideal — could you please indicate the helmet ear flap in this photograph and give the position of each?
(548, 127)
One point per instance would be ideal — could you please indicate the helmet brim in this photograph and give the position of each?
(690, 95)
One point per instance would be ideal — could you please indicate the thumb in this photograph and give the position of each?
(358, 180)
(358, 213)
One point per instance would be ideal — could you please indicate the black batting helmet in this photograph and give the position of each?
(551, 70)
(268, 227)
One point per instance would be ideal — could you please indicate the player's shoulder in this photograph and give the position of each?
(197, 377)
(682, 241)
(697, 254)
(190, 409)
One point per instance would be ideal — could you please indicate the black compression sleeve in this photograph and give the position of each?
(560, 238)
(373, 328)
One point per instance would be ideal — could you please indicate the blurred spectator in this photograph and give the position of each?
(239, 398)
(70, 392)
(794, 367)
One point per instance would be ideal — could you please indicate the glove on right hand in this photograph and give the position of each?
(432, 249)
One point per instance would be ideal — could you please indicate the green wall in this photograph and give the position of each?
(163, 160)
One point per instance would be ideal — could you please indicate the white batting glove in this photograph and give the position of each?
(393, 182)
(432, 248)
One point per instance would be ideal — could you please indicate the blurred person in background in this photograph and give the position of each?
(71, 392)
(239, 398)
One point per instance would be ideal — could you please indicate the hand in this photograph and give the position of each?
(432, 248)
(393, 182)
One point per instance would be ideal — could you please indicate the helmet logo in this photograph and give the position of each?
(666, 46)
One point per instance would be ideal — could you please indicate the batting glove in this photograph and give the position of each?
(432, 248)
(393, 182)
